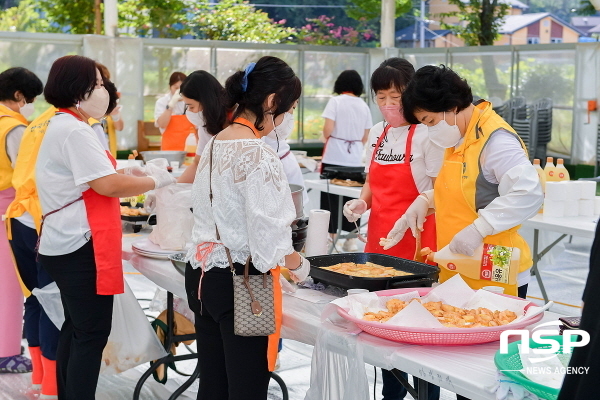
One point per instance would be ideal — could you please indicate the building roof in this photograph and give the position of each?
(595, 29)
(511, 3)
(581, 22)
(513, 23)
(407, 34)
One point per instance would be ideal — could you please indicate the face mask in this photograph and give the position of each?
(27, 110)
(195, 118)
(445, 135)
(96, 104)
(393, 115)
(283, 130)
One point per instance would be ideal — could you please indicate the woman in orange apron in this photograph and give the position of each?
(402, 164)
(80, 235)
(487, 186)
(18, 89)
(169, 116)
(247, 199)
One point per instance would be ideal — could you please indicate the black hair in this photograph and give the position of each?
(435, 89)
(270, 75)
(71, 79)
(176, 77)
(22, 80)
(349, 81)
(112, 94)
(394, 72)
(208, 91)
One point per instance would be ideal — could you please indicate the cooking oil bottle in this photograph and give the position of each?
(550, 170)
(561, 172)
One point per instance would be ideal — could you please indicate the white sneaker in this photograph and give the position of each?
(350, 245)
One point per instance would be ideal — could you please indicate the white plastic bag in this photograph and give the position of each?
(49, 298)
(132, 340)
(337, 370)
(174, 219)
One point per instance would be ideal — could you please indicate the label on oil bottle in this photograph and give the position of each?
(495, 263)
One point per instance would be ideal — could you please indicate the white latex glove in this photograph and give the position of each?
(466, 241)
(396, 234)
(354, 208)
(416, 213)
(301, 273)
(174, 99)
(161, 176)
(135, 170)
(150, 202)
(504, 387)
(116, 113)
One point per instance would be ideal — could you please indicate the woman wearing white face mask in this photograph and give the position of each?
(243, 210)
(204, 98)
(401, 163)
(277, 139)
(487, 186)
(80, 236)
(18, 89)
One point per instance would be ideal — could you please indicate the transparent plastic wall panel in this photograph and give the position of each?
(550, 74)
(320, 71)
(488, 74)
(160, 62)
(231, 60)
(36, 56)
(422, 59)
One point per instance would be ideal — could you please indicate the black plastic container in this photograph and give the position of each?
(423, 275)
(353, 173)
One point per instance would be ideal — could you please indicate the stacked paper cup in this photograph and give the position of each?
(570, 199)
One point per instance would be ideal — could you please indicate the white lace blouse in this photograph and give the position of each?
(252, 206)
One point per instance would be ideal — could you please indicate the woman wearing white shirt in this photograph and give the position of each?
(80, 238)
(204, 97)
(402, 163)
(169, 116)
(252, 209)
(347, 123)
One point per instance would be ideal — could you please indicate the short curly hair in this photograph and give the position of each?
(18, 79)
(349, 81)
(435, 89)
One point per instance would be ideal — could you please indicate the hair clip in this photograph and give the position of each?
(249, 68)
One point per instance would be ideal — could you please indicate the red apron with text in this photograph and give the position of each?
(178, 129)
(393, 190)
(104, 218)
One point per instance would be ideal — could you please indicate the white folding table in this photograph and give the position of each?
(567, 226)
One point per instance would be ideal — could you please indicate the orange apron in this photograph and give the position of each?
(178, 129)
(104, 218)
(393, 191)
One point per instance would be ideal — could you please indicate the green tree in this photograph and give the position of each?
(73, 16)
(479, 20)
(162, 18)
(22, 18)
(237, 20)
(370, 9)
(586, 8)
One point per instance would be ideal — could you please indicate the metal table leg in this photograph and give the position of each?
(339, 223)
(407, 385)
(538, 256)
(170, 358)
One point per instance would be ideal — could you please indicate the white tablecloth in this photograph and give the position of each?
(466, 370)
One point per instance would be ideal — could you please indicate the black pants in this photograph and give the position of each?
(330, 202)
(231, 367)
(393, 389)
(39, 330)
(88, 318)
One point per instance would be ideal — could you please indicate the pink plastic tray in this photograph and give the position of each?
(443, 336)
